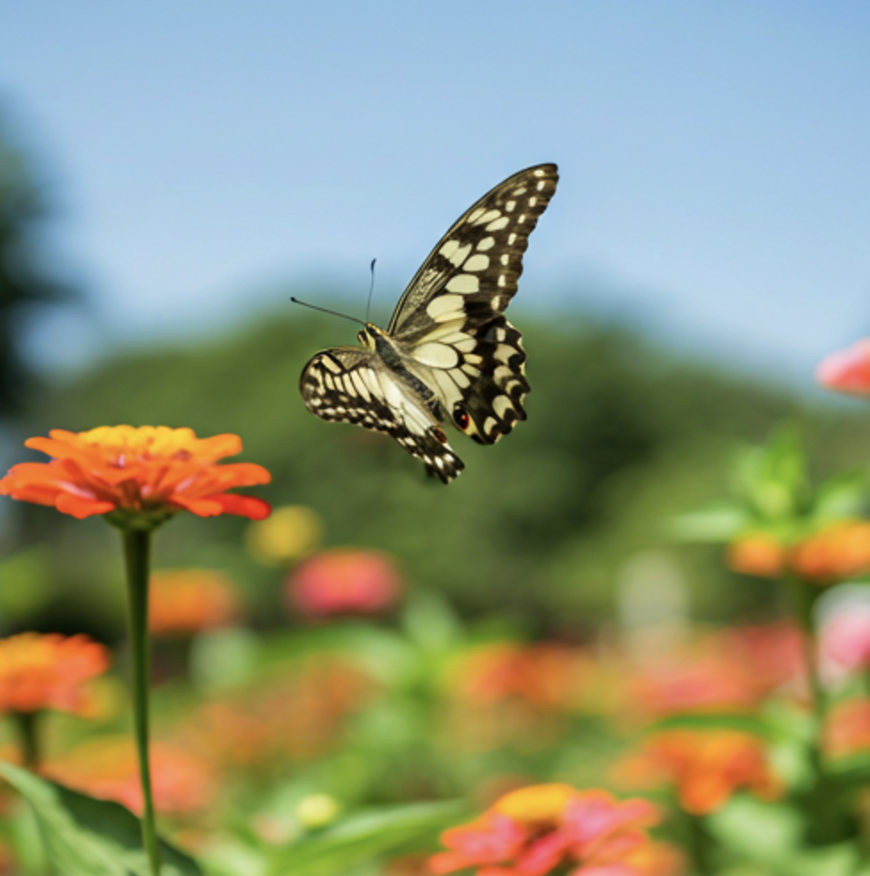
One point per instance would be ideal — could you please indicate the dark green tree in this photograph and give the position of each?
(26, 284)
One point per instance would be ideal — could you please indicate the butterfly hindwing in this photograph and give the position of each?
(448, 353)
(352, 385)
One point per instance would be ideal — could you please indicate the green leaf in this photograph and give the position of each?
(712, 522)
(841, 496)
(88, 837)
(770, 834)
(362, 838)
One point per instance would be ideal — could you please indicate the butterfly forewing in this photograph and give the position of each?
(450, 314)
(448, 353)
(479, 259)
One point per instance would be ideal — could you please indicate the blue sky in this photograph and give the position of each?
(715, 157)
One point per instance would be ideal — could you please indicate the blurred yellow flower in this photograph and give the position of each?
(292, 532)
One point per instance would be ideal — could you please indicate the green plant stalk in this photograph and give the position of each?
(137, 550)
(700, 844)
(803, 597)
(28, 734)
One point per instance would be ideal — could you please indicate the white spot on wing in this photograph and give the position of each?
(436, 355)
(498, 224)
(475, 215)
(486, 244)
(510, 205)
(444, 307)
(501, 404)
(477, 263)
(360, 384)
(463, 283)
(449, 248)
(460, 255)
(487, 217)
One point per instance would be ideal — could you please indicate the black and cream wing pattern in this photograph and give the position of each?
(448, 354)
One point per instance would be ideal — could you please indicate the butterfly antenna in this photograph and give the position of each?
(371, 289)
(324, 310)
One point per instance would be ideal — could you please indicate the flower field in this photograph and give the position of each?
(365, 724)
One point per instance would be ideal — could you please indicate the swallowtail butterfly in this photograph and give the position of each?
(448, 354)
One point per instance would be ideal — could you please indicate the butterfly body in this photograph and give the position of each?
(449, 354)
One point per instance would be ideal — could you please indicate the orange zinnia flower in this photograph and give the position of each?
(146, 473)
(188, 600)
(847, 728)
(535, 830)
(756, 553)
(707, 767)
(834, 553)
(49, 672)
(106, 767)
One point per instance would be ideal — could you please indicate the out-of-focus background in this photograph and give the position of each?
(171, 174)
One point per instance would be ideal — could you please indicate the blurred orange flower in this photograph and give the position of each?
(186, 601)
(150, 471)
(546, 674)
(107, 767)
(706, 766)
(847, 728)
(344, 581)
(537, 829)
(756, 553)
(833, 553)
(847, 370)
(49, 671)
(297, 713)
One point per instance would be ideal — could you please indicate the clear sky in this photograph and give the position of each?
(715, 157)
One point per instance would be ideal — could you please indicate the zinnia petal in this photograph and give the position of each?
(148, 473)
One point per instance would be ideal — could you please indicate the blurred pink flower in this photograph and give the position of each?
(344, 581)
(845, 637)
(542, 829)
(847, 370)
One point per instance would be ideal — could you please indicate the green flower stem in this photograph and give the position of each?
(699, 844)
(28, 734)
(137, 549)
(804, 595)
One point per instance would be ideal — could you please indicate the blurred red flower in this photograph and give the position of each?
(149, 471)
(706, 766)
(107, 767)
(543, 828)
(847, 370)
(185, 601)
(715, 670)
(49, 671)
(344, 581)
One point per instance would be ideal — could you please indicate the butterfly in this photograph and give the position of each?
(448, 354)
